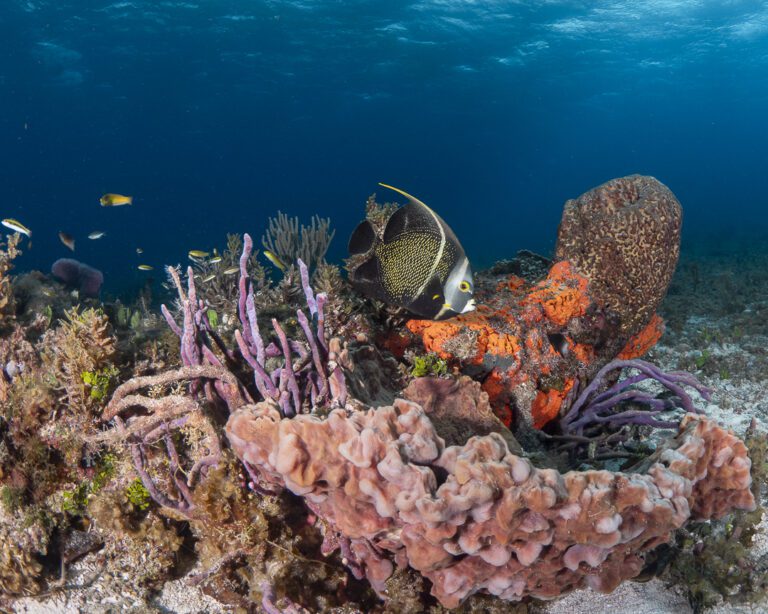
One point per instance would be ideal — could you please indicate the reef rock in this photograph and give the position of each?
(477, 518)
(531, 341)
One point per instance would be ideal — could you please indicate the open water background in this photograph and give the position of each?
(215, 114)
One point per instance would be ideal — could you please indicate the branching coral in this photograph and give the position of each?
(8, 252)
(166, 415)
(592, 408)
(298, 385)
(217, 283)
(290, 243)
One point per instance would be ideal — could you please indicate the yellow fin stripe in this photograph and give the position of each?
(404, 193)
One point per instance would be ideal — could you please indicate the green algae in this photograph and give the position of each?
(711, 561)
(429, 364)
(138, 495)
(100, 381)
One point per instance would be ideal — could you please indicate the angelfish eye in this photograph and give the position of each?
(464, 286)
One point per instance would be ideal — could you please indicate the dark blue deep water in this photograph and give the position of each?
(215, 114)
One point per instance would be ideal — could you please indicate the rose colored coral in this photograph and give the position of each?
(478, 518)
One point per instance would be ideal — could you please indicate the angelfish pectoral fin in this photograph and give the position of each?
(362, 239)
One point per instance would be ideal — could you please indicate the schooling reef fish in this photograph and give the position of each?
(67, 239)
(272, 257)
(96, 234)
(17, 226)
(115, 200)
(418, 263)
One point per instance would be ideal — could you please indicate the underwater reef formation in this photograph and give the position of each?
(8, 251)
(477, 517)
(532, 341)
(273, 437)
(624, 236)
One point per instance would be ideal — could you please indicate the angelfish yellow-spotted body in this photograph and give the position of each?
(417, 264)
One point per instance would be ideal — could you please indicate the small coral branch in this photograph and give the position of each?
(198, 340)
(290, 243)
(609, 407)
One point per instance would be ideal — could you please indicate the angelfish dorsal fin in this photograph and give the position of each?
(413, 199)
(412, 217)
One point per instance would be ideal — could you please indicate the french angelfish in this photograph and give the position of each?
(417, 264)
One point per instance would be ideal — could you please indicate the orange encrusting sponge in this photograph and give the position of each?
(511, 339)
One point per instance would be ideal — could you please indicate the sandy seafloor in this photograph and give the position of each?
(718, 329)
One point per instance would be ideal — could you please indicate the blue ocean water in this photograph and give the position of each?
(214, 114)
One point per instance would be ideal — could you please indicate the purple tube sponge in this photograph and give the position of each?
(593, 407)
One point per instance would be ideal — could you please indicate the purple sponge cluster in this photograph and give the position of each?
(79, 275)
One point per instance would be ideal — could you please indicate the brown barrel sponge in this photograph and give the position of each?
(624, 236)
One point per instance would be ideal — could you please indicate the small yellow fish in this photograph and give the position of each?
(115, 200)
(231, 270)
(96, 234)
(198, 253)
(145, 267)
(139, 250)
(17, 226)
(209, 277)
(67, 239)
(215, 260)
(275, 260)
